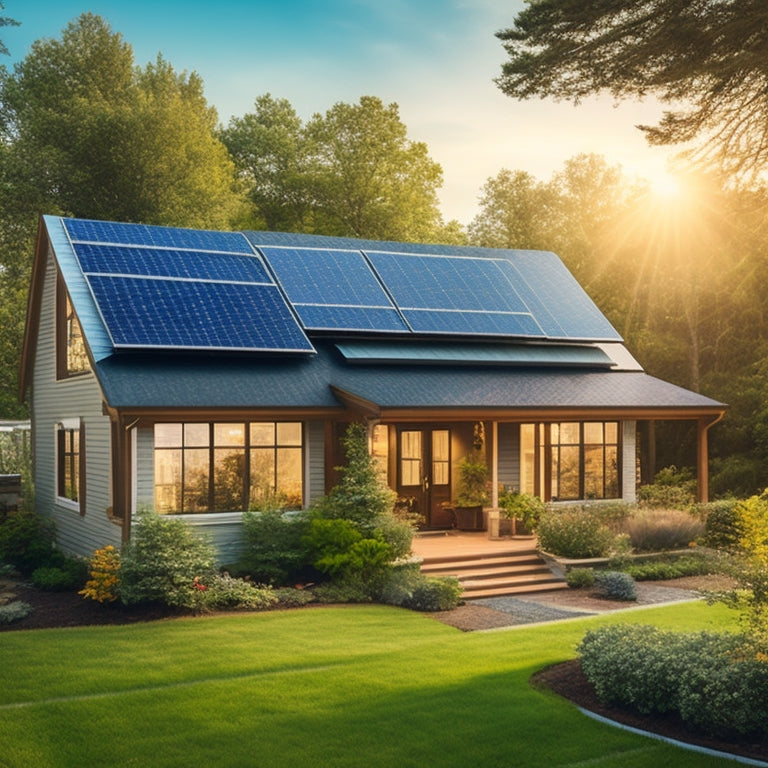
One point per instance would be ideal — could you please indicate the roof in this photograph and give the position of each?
(326, 382)
(181, 319)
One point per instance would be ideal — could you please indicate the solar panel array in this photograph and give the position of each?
(163, 287)
(160, 287)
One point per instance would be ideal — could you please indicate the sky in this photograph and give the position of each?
(436, 59)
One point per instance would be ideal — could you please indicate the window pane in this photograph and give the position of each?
(612, 432)
(441, 451)
(593, 472)
(168, 481)
(262, 483)
(263, 433)
(289, 433)
(527, 458)
(567, 472)
(569, 433)
(228, 471)
(196, 480)
(168, 435)
(228, 434)
(611, 471)
(380, 449)
(593, 432)
(77, 358)
(410, 453)
(289, 476)
(197, 434)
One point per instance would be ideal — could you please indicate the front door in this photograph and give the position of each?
(424, 472)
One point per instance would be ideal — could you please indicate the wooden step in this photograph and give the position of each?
(495, 574)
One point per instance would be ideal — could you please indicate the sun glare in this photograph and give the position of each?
(665, 186)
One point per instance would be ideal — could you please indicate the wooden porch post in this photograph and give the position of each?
(495, 465)
(702, 469)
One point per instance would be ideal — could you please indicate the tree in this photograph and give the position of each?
(350, 172)
(268, 148)
(5, 21)
(708, 58)
(90, 135)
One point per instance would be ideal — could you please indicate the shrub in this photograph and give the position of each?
(615, 585)
(721, 524)
(672, 488)
(293, 597)
(14, 611)
(656, 530)
(580, 578)
(162, 561)
(26, 541)
(273, 552)
(661, 570)
(222, 591)
(409, 588)
(69, 576)
(104, 583)
(710, 680)
(574, 533)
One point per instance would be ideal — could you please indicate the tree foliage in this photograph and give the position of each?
(707, 58)
(6, 21)
(350, 172)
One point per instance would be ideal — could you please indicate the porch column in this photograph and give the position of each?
(702, 460)
(495, 465)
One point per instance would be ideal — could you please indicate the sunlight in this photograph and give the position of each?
(665, 186)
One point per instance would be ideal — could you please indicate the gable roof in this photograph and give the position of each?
(179, 318)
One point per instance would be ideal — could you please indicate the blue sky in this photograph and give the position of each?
(435, 59)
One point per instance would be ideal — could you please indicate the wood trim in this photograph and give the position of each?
(81, 480)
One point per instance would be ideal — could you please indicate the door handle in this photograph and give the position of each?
(425, 484)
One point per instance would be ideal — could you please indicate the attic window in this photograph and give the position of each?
(71, 357)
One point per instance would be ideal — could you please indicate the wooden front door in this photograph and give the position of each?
(424, 472)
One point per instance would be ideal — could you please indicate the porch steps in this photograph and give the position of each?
(494, 574)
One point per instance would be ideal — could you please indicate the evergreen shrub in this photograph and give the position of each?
(70, 575)
(27, 541)
(165, 562)
(615, 585)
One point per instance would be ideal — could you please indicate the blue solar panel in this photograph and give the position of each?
(451, 294)
(85, 230)
(333, 290)
(559, 303)
(162, 262)
(334, 318)
(145, 312)
(472, 323)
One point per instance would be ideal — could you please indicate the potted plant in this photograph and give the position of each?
(523, 510)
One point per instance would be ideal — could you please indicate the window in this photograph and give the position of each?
(71, 356)
(585, 460)
(570, 460)
(70, 462)
(227, 467)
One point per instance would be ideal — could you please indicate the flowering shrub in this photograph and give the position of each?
(105, 576)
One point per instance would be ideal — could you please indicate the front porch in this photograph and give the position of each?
(486, 567)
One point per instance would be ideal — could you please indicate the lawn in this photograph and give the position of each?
(351, 686)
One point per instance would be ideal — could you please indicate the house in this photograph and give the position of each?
(203, 373)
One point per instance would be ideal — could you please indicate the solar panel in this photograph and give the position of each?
(559, 303)
(167, 262)
(454, 295)
(333, 290)
(142, 312)
(85, 230)
(161, 287)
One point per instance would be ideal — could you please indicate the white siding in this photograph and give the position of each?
(53, 401)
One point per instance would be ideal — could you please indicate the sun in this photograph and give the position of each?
(665, 186)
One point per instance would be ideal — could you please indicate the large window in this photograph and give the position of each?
(70, 462)
(228, 467)
(570, 460)
(585, 460)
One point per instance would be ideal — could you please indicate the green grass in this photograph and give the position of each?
(354, 686)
